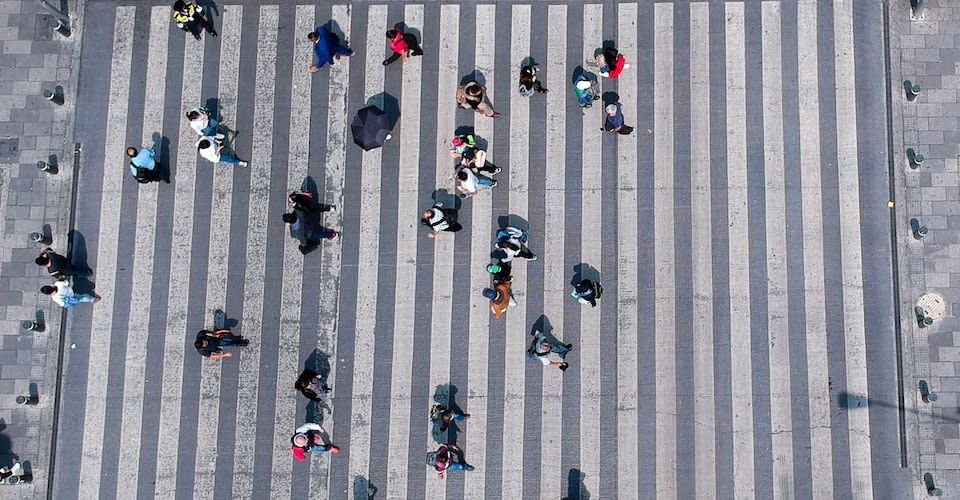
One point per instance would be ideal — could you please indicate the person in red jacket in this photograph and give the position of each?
(402, 44)
(611, 62)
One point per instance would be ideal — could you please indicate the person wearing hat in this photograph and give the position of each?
(529, 84)
(501, 297)
(311, 438)
(614, 121)
(438, 218)
(583, 88)
(474, 96)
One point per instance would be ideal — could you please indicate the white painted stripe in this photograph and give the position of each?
(368, 269)
(475, 439)
(181, 244)
(741, 372)
(665, 277)
(398, 451)
(139, 322)
(329, 310)
(515, 357)
(218, 256)
(449, 47)
(251, 323)
(861, 473)
(627, 377)
(781, 424)
(554, 275)
(590, 217)
(100, 334)
(821, 441)
(702, 247)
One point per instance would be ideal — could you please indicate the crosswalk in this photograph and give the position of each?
(723, 229)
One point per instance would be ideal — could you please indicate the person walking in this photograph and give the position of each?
(143, 164)
(57, 265)
(210, 344)
(501, 297)
(614, 121)
(311, 438)
(443, 416)
(402, 44)
(473, 96)
(306, 228)
(202, 123)
(461, 144)
(447, 457)
(326, 47)
(469, 183)
(500, 271)
(311, 384)
(476, 160)
(611, 62)
(439, 218)
(512, 242)
(211, 148)
(586, 89)
(529, 84)
(62, 293)
(587, 292)
(549, 351)
(191, 18)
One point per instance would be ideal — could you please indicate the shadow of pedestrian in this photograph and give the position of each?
(315, 411)
(584, 271)
(319, 362)
(7, 456)
(610, 97)
(335, 30)
(446, 199)
(528, 61)
(78, 261)
(446, 395)
(474, 76)
(575, 488)
(220, 320)
(161, 146)
(363, 489)
(513, 220)
(210, 6)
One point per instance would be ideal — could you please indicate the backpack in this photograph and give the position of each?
(142, 175)
(511, 232)
(437, 411)
(432, 458)
(527, 91)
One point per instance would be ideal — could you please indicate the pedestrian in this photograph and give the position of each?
(57, 265)
(447, 457)
(473, 96)
(469, 183)
(202, 123)
(500, 271)
(402, 44)
(190, 17)
(476, 160)
(143, 164)
(306, 228)
(549, 351)
(311, 384)
(501, 297)
(327, 47)
(611, 62)
(512, 242)
(442, 416)
(439, 218)
(614, 121)
(586, 89)
(311, 438)
(62, 293)
(529, 84)
(211, 148)
(461, 144)
(587, 292)
(210, 344)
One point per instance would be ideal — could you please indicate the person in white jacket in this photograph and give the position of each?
(62, 293)
(211, 148)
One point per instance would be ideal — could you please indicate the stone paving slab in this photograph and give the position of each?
(32, 58)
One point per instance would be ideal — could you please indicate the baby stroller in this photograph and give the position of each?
(587, 89)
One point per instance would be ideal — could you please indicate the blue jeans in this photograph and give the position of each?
(456, 466)
(484, 181)
(211, 127)
(228, 340)
(229, 158)
(77, 299)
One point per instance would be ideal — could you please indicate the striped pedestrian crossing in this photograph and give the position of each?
(721, 228)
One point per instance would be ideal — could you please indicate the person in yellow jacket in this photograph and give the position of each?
(190, 17)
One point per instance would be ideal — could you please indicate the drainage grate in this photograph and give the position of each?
(43, 30)
(9, 149)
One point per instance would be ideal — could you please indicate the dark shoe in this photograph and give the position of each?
(214, 33)
(386, 62)
(564, 366)
(568, 346)
(468, 467)
(497, 170)
(197, 37)
(496, 115)
(596, 98)
(333, 235)
(243, 342)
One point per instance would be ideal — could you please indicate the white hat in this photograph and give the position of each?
(583, 84)
(611, 108)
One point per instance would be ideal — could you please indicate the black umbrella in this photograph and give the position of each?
(371, 128)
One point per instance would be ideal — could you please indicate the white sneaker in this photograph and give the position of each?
(242, 163)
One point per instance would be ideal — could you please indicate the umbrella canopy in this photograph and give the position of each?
(371, 128)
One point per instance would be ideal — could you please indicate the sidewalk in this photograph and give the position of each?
(926, 51)
(32, 58)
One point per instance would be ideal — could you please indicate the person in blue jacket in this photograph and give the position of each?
(326, 46)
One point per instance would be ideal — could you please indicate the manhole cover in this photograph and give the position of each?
(43, 30)
(9, 149)
(933, 306)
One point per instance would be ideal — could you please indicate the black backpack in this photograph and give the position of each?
(144, 175)
(432, 458)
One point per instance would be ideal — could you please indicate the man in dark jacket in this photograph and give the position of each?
(306, 228)
(210, 344)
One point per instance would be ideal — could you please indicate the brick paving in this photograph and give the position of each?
(926, 51)
(32, 58)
